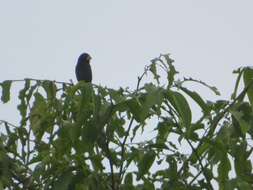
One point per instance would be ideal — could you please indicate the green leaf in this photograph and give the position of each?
(223, 170)
(38, 115)
(1, 185)
(148, 184)
(239, 71)
(172, 167)
(244, 125)
(248, 82)
(73, 131)
(90, 134)
(136, 109)
(145, 163)
(129, 179)
(152, 100)
(6, 85)
(154, 95)
(181, 105)
(241, 184)
(243, 165)
(96, 161)
(197, 98)
(117, 95)
(118, 125)
(215, 90)
(141, 106)
(63, 181)
(154, 71)
(50, 88)
(24, 100)
(6, 173)
(164, 129)
(23, 135)
(38, 170)
(122, 106)
(172, 71)
(200, 151)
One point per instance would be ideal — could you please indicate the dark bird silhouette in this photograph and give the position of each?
(83, 68)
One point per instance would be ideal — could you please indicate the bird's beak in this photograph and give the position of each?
(89, 58)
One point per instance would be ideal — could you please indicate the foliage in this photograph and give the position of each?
(85, 136)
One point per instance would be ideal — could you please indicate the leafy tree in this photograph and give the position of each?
(85, 136)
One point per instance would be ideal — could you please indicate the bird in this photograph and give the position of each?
(83, 68)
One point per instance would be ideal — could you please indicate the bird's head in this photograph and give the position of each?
(84, 58)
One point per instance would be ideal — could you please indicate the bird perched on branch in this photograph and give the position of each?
(83, 68)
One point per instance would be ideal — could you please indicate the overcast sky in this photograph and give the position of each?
(43, 38)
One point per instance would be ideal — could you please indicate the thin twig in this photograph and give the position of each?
(128, 129)
(33, 79)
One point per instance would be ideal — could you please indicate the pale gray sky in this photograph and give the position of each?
(43, 38)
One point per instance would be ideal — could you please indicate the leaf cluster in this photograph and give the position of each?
(83, 136)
